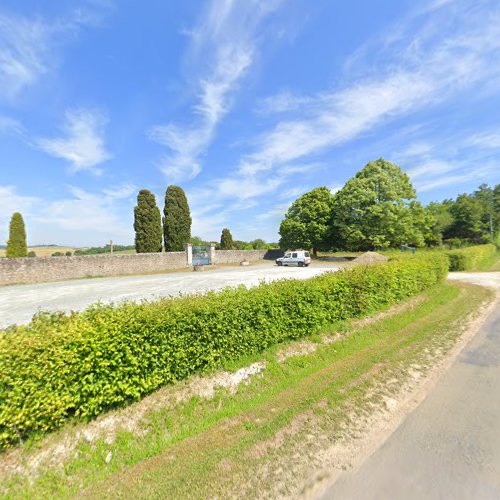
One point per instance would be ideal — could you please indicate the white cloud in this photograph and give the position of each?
(420, 75)
(487, 140)
(8, 124)
(24, 50)
(82, 218)
(29, 46)
(82, 144)
(224, 44)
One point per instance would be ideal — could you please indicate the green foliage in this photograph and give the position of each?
(84, 363)
(464, 259)
(307, 222)
(104, 249)
(226, 240)
(57, 254)
(147, 223)
(68, 253)
(16, 245)
(31, 253)
(378, 209)
(176, 220)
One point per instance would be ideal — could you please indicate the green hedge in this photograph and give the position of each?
(467, 258)
(107, 356)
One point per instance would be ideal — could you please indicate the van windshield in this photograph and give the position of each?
(287, 255)
(306, 254)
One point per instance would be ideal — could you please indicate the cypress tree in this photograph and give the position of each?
(176, 220)
(147, 223)
(16, 246)
(226, 240)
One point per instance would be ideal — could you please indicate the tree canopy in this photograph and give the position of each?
(147, 223)
(177, 220)
(226, 240)
(307, 222)
(377, 208)
(16, 245)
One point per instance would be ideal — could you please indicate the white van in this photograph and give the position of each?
(296, 258)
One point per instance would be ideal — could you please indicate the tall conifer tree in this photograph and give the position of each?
(176, 220)
(147, 223)
(16, 246)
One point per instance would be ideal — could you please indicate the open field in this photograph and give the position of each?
(271, 436)
(44, 251)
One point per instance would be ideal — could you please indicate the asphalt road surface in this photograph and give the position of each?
(18, 303)
(449, 447)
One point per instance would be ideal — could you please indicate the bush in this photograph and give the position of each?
(31, 253)
(68, 253)
(469, 258)
(84, 363)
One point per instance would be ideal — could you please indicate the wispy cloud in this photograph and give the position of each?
(29, 45)
(224, 43)
(82, 142)
(419, 75)
(24, 51)
(82, 217)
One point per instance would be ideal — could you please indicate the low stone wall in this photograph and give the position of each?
(44, 269)
(235, 256)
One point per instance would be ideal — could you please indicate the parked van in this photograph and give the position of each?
(296, 258)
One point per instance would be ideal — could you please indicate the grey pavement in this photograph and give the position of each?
(18, 303)
(448, 447)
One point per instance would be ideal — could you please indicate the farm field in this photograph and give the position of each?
(44, 251)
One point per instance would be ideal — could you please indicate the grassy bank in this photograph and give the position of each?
(266, 438)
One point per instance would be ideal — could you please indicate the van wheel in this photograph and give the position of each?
(280, 263)
(301, 264)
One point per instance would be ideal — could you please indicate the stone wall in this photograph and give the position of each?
(236, 256)
(44, 269)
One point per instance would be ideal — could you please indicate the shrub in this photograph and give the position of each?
(68, 253)
(31, 253)
(464, 259)
(86, 362)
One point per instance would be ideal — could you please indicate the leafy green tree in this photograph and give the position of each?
(307, 222)
(442, 220)
(377, 208)
(226, 240)
(486, 198)
(177, 220)
(147, 223)
(468, 220)
(16, 245)
(259, 244)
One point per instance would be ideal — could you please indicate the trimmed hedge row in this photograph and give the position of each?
(107, 356)
(467, 258)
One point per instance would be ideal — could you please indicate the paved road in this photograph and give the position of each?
(19, 303)
(449, 447)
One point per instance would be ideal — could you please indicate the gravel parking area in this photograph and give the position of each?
(18, 303)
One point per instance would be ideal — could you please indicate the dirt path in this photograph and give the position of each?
(449, 447)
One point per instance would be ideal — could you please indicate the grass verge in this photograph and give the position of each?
(264, 440)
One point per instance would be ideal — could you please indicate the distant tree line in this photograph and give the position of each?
(378, 208)
(100, 250)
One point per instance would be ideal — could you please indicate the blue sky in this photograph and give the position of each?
(246, 104)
